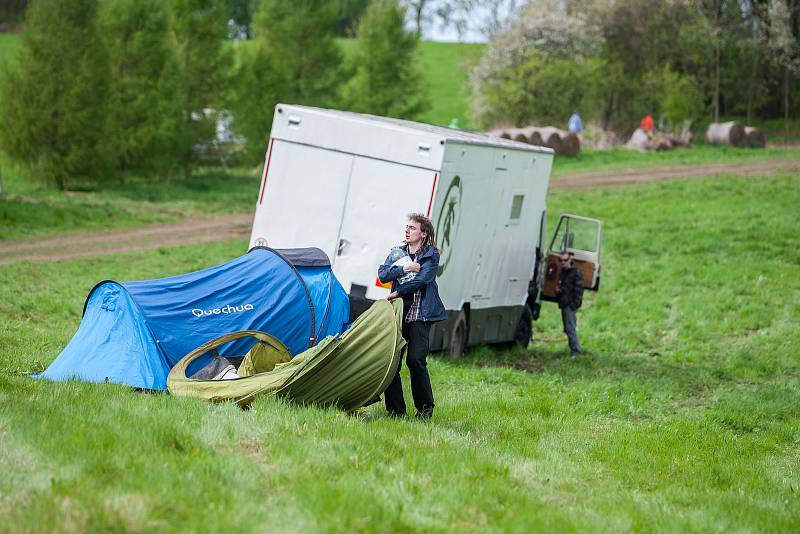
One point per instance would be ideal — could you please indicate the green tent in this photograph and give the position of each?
(348, 370)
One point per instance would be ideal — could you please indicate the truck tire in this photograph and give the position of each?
(524, 331)
(458, 336)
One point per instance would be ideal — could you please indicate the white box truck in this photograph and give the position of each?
(345, 182)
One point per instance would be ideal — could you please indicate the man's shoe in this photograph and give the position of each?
(396, 415)
(425, 413)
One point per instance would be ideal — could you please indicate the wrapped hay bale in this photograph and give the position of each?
(755, 137)
(570, 145)
(726, 133)
(560, 141)
(553, 141)
(551, 137)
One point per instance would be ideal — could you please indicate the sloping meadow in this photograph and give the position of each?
(684, 414)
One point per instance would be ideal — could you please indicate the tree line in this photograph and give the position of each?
(616, 60)
(102, 90)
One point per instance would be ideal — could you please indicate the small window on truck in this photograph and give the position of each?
(516, 207)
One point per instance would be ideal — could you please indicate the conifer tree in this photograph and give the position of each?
(386, 80)
(146, 101)
(253, 97)
(200, 27)
(52, 116)
(295, 60)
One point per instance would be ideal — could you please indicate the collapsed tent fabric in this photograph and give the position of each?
(134, 332)
(347, 371)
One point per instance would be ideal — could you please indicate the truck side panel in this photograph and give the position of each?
(495, 211)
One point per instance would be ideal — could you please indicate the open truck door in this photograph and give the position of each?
(582, 236)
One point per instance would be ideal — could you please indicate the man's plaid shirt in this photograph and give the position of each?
(413, 310)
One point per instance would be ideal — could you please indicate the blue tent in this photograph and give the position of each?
(134, 332)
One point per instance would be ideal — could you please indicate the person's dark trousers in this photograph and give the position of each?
(568, 317)
(417, 335)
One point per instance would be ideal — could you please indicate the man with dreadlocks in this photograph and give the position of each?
(422, 306)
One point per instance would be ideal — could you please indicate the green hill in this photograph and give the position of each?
(444, 67)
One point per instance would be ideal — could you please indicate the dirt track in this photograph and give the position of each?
(237, 226)
(88, 244)
(673, 172)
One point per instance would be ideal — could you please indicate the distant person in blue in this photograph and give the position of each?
(413, 278)
(575, 124)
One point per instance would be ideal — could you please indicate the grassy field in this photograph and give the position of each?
(8, 45)
(29, 210)
(685, 415)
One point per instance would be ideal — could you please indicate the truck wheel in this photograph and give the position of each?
(522, 336)
(458, 336)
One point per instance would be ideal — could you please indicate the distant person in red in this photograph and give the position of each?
(647, 124)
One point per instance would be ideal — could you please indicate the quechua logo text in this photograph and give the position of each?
(225, 310)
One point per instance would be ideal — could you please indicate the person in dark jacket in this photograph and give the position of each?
(570, 297)
(422, 306)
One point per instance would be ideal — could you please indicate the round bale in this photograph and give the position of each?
(726, 133)
(554, 141)
(570, 145)
(535, 138)
(755, 137)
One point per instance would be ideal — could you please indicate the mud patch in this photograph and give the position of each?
(526, 366)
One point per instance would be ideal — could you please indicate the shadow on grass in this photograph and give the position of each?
(551, 359)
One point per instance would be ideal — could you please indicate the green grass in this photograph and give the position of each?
(9, 43)
(445, 68)
(684, 416)
(29, 210)
(619, 158)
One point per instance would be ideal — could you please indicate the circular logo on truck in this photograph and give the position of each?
(448, 222)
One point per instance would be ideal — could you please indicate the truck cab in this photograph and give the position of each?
(582, 237)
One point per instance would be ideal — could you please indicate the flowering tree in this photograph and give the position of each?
(545, 47)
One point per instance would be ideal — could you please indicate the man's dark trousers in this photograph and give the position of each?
(417, 334)
(568, 316)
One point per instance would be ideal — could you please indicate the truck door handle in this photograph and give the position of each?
(343, 244)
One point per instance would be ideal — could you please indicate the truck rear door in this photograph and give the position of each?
(380, 196)
(582, 237)
(302, 197)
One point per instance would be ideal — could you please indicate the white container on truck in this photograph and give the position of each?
(345, 183)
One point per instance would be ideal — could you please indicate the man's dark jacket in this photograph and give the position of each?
(571, 295)
(431, 308)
